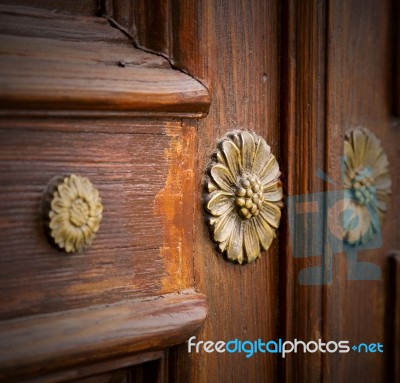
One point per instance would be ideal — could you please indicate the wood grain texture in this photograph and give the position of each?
(144, 173)
(335, 75)
(82, 63)
(359, 94)
(299, 74)
(46, 343)
(232, 47)
(303, 120)
(148, 26)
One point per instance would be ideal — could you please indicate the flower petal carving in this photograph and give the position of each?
(243, 196)
(233, 157)
(218, 204)
(73, 212)
(367, 185)
(222, 177)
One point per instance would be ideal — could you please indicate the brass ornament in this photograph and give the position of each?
(72, 212)
(367, 185)
(243, 196)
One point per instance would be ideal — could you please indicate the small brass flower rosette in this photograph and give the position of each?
(243, 196)
(72, 212)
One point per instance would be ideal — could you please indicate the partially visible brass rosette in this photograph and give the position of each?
(243, 196)
(72, 212)
(367, 186)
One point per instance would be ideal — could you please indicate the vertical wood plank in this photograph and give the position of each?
(359, 94)
(232, 47)
(335, 72)
(303, 119)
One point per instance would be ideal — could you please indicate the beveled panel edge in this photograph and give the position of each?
(42, 344)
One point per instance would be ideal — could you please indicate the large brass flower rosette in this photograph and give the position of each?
(367, 186)
(72, 212)
(243, 196)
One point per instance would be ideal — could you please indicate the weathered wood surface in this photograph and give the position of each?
(79, 63)
(144, 173)
(335, 73)
(72, 316)
(149, 27)
(300, 74)
(46, 343)
(233, 48)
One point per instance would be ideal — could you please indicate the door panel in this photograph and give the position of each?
(154, 87)
(78, 98)
(360, 94)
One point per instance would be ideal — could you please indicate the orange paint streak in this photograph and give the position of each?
(175, 205)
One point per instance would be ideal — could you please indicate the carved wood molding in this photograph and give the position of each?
(74, 64)
(99, 333)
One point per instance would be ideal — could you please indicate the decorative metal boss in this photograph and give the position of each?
(367, 185)
(72, 212)
(243, 196)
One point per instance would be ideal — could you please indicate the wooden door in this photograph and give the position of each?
(301, 74)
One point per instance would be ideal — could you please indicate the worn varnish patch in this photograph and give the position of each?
(175, 204)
